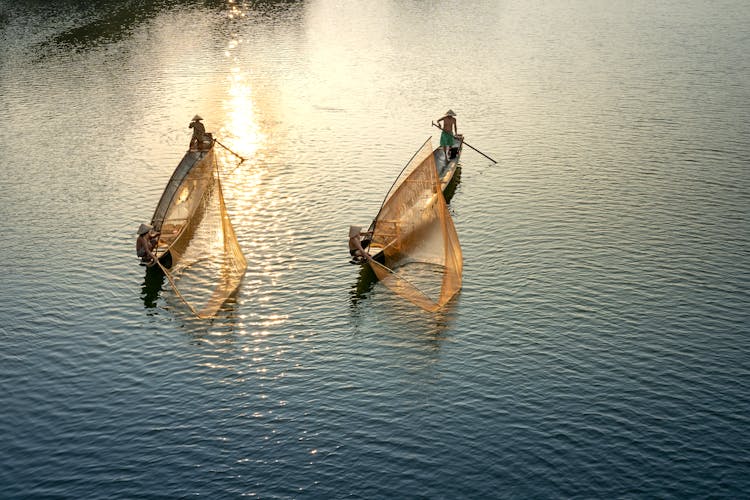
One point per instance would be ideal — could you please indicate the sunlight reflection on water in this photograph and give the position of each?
(601, 329)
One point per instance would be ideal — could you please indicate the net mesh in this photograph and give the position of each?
(422, 258)
(207, 262)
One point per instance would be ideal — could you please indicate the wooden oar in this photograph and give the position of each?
(464, 142)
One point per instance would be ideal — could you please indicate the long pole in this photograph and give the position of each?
(465, 143)
(374, 221)
(177, 291)
(223, 146)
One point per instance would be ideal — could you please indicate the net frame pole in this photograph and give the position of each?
(374, 221)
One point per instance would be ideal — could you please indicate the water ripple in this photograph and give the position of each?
(597, 348)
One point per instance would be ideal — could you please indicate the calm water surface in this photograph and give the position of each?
(598, 349)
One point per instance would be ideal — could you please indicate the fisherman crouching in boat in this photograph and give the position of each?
(358, 241)
(145, 244)
(199, 132)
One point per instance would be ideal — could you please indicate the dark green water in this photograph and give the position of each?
(598, 348)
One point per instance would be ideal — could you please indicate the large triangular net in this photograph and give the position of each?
(207, 262)
(422, 258)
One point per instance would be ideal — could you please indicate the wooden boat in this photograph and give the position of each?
(448, 168)
(183, 186)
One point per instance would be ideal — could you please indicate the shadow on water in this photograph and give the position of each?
(450, 189)
(107, 21)
(366, 279)
(152, 285)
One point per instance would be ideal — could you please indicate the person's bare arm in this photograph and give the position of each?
(358, 246)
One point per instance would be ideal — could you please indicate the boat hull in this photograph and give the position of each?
(172, 190)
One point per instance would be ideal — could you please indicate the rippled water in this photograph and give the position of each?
(598, 349)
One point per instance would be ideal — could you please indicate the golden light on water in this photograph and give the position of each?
(238, 133)
(241, 132)
(241, 129)
(250, 194)
(234, 10)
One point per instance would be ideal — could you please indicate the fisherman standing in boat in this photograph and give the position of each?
(198, 132)
(146, 242)
(450, 130)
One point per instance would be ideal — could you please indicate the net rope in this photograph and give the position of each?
(422, 259)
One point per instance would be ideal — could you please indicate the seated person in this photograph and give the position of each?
(356, 250)
(146, 242)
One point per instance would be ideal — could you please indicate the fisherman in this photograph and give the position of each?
(356, 249)
(450, 130)
(199, 131)
(146, 242)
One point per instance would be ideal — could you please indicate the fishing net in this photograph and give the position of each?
(421, 254)
(207, 263)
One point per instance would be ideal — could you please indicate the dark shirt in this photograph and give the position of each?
(198, 129)
(145, 244)
(142, 246)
